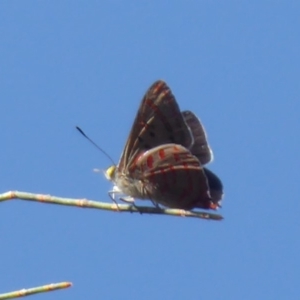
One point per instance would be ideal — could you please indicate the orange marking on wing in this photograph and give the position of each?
(150, 161)
(213, 206)
(161, 153)
(158, 87)
(135, 162)
(144, 124)
(157, 112)
(151, 105)
(176, 156)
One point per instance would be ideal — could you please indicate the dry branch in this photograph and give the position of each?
(40, 289)
(84, 203)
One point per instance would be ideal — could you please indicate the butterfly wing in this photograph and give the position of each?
(203, 152)
(200, 147)
(215, 187)
(158, 121)
(173, 177)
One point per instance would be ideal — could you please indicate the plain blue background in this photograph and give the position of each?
(66, 63)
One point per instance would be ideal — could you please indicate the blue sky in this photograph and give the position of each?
(88, 63)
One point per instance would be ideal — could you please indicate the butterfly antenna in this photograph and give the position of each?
(99, 148)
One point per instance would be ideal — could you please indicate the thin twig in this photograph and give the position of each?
(40, 289)
(84, 203)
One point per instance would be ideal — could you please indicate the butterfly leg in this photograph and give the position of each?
(130, 200)
(112, 195)
(127, 199)
(155, 204)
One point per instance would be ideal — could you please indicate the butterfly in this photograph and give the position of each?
(162, 157)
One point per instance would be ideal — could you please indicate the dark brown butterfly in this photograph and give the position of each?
(156, 163)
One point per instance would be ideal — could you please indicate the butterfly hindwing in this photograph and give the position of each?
(203, 152)
(172, 176)
(200, 147)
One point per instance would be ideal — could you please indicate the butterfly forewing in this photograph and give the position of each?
(200, 147)
(158, 121)
(173, 177)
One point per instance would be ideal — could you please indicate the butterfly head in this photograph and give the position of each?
(110, 173)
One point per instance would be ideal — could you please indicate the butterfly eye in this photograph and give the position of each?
(110, 173)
